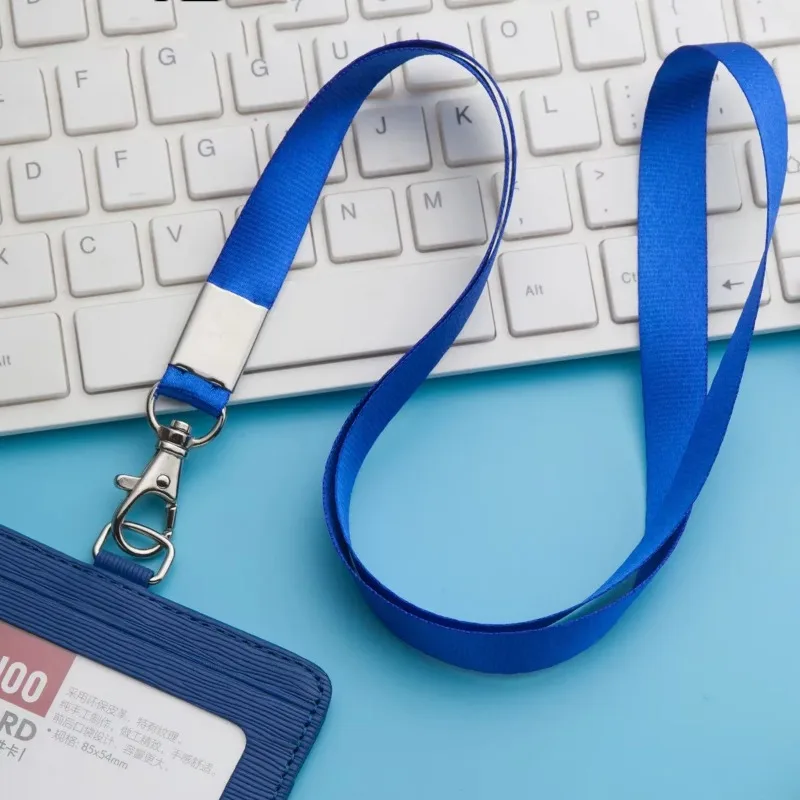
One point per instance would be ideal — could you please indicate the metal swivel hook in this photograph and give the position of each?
(161, 479)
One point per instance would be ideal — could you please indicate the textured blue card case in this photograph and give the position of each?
(278, 699)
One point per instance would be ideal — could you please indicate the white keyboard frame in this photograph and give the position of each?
(607, 337)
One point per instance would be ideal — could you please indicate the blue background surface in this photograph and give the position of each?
(524, 488)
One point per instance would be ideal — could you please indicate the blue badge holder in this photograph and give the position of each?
(277, 698)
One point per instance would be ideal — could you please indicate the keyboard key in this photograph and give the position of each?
(135, 173)
(621, 266)
(787, 235)
(377, 9)
(26, 270)
(275, 133)
(470, 131)
(787, 67)
(728, 109)
(610, 187)
(392, 141)
(181, 83)
(540, 206)
(102, 259)
(32, 359)
(627, 100)
(447, 214)
(472, 3)
(112, 358)
(723, 182)
(48, 183)
(679, 22)
(96, 93)
(787, 243)
(48, 21)
(769, 22)
(310, 13)
(724, 194)
(605, 34)
(789, 271)
(435, 72)
(731, 239)
(186, 246)
(120, 17)
(325, 319)
(735, 245)
(243, 3)
(548, 290)
(23, 104)
(220, 163)
(758, 181)
(729, 285)
(609, 190)
(561, 118)
(313, 321)
(270, 83)
(522, 45)
(334, 52)
(362, 225)
(306, 255)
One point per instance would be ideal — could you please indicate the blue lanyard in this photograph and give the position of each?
(685, 422)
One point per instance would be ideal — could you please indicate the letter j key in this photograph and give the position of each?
(392, 141)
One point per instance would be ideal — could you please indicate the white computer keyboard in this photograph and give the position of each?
(134, 129)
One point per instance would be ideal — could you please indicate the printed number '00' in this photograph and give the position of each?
(14, 678)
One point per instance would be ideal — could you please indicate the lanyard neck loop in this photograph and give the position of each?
(685, 422)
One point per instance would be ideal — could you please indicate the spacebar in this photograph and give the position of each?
(329, 316)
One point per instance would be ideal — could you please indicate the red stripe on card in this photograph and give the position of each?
(32, 670)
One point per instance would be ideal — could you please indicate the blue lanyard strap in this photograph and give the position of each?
(684, 422)
(257, 256)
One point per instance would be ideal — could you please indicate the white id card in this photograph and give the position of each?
(75, 730)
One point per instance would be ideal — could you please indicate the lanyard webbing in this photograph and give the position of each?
(684, 422)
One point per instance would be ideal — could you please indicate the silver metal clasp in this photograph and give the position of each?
(161, 479)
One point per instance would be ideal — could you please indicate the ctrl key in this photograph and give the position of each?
(32, 359)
